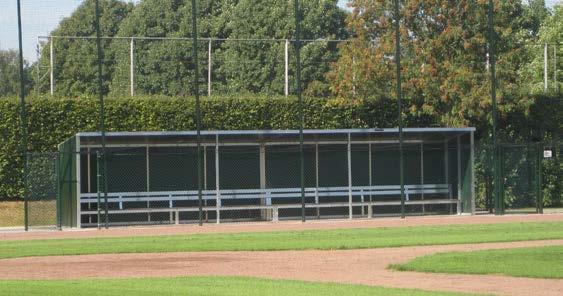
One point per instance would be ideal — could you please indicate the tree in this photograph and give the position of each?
(75, 60)
(10, 73)
(549, 32)
(258, 66)
(166, 66)
(444, 54)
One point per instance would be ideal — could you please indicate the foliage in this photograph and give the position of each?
(10, 73)
(75, 60)
(550, 32)
(258, 66)
(167, 66)
(54, 120)
(444, 56)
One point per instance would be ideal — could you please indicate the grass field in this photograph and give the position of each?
(540, 262)
(194, 286)
(296, 240)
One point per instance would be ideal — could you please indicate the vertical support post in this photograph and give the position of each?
(555, 67)
(99, 186)
(370, 182)
(472, 162)
(217, 192)
(51, 66)
(317, 179)
(354, 76)
(132, 67)
(102, 109)
(399, 102)
(198, 109)
(459, 174)
(422, 174)
(205, 181)
(545, 67)
(286, 67)
(58, 170)
(350, 209)
(147, 178)
(266, 200)
(495, 154)
(539, 185)
(23, 116)
(447, 171)
(300, 99)
(209, 67)
(89, 166)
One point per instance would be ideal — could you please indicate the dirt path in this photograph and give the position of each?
(366, 267)
(279, 226)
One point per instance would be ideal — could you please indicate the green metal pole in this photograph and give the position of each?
(197, 110)
(23, 115)
(98, 184)
(58, 201)
(496, 165)
(102, 109)
(300, 98)
(399, 102)
(539, 156)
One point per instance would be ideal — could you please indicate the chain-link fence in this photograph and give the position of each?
(118, 49)
(42, 190)
(530, 175)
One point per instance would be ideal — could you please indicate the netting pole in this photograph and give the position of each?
(209, 66)
(23, 115)
(545, 67)
(102, 109)
(58, 201)
(539, 191)
(286, 68)
(98, 185)
(300, 98)
(51, 66)
(197, 110)
(132, 67)
(495, 155)
(399, 102)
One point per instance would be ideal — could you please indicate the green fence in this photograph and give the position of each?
(42, 191)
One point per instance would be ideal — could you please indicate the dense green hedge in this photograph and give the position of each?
(53, 120)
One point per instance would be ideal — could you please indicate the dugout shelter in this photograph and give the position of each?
(152, 177)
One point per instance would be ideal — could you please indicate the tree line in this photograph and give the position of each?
(444, 52)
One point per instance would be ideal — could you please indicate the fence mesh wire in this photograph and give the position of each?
(41, 190)
(142, 56)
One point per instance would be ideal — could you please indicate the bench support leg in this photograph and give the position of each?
(177, 217)
(275, 216)
(370, 211)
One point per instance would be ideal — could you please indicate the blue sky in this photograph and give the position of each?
(39, 17)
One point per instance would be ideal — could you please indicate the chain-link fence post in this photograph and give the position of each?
(98, 185)
(539, 172)
(58, 189)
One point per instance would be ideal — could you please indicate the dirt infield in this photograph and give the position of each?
(278, 226)
(368, 267)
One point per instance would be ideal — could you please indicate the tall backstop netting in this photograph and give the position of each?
(152, 177)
